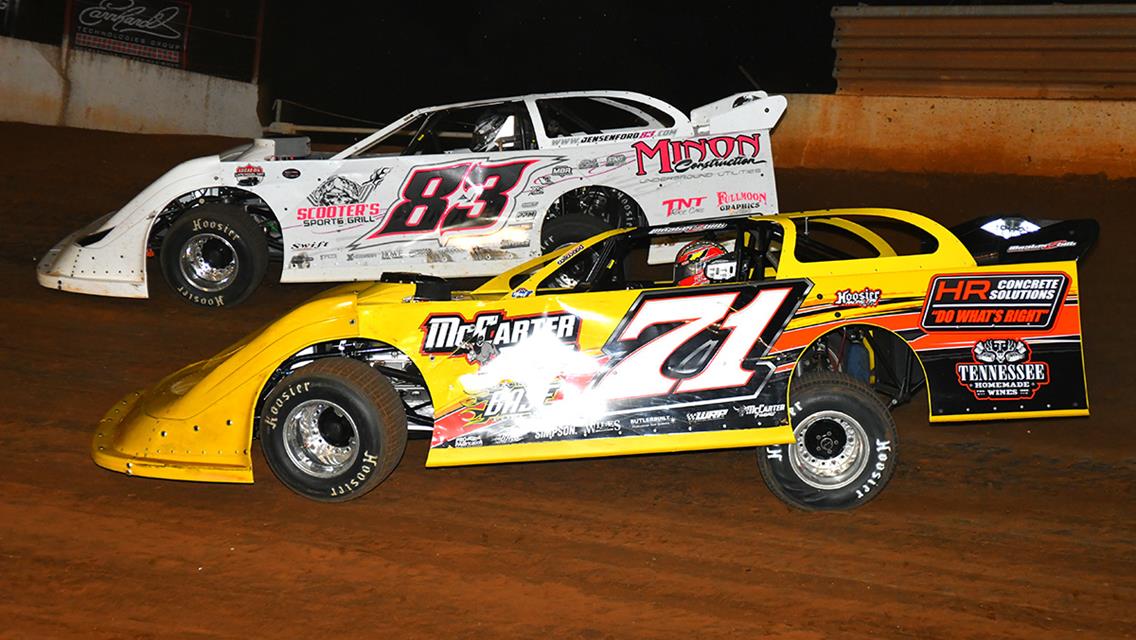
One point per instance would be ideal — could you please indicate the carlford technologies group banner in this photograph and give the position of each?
(150, 30)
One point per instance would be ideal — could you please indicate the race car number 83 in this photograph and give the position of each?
(460, 197)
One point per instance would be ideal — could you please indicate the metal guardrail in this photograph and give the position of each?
(1052, 51)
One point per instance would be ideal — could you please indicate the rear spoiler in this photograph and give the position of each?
(1015, 240)
(739, 112)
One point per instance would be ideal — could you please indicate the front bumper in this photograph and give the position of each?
(129, 441)
(110, 267)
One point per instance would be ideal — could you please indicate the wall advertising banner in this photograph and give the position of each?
(150, 30)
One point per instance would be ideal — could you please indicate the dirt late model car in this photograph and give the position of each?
(802, 333)
(466, 189)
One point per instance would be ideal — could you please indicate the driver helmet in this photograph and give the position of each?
(691, 261)
(486, 130)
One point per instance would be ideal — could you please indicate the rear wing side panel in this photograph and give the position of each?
(1018, 240)
(1004, 344)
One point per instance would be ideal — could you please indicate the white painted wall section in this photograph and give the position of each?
(95, 91)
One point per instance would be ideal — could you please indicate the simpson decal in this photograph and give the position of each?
(1002, 370)
(994, 302)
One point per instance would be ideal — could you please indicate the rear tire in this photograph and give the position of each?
(569, 229)
(845, 450)
(214, 255)
(334, 430)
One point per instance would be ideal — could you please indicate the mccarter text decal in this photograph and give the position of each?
(447, 333)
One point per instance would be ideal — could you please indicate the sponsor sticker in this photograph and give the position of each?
(1048, 246)
(683, 206)
(1013, 301)
(679, 156)
(741, 200)
(866, 297)
(1002, 370)
(688, 228)
(451, 333)
(249, 175)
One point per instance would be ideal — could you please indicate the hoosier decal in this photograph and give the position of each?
(1002, 370)
(866, 297)
(1018, 301)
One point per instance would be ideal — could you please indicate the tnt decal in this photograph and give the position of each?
(679, 156)
(1016, 301)
(680, 206)
(1002, 370)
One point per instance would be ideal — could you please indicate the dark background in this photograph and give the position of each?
(377, 61)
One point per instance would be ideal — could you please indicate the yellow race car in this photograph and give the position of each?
(791, 333)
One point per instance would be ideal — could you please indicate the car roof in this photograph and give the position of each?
(598, 93)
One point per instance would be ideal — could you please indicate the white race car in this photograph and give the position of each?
(467, 189)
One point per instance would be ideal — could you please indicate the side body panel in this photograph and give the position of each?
(462, 215)
(993, 342)
(609, 373)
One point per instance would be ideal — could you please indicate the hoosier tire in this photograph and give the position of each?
(334, 430)
(845, 450)
(214, 255)
(570, 229)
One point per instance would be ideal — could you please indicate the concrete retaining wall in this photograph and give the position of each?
(958, 135)
(95, 91)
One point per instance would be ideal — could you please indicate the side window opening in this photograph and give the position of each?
(852, 238)
(589, 116)
(394, 143)
(486, 128)
(635, 261)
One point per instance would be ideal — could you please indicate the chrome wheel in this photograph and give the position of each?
(320, 438)
(831, 450)
(209, 262)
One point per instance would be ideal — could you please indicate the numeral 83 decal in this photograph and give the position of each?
(703, 344)
(467, 196)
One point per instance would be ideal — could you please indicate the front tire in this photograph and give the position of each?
(334, 430)
(214, 255)
(845, 450)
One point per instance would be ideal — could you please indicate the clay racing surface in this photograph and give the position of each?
(998, 530)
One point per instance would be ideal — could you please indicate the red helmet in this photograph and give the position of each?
(691, 261)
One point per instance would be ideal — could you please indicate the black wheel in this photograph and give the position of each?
(214, 255)
(846, 446)
(610, 206)
(333, 430)
(570, 229)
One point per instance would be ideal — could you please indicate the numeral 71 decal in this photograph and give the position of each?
(675, 347)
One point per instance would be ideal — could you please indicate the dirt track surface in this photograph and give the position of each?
(999, 530)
